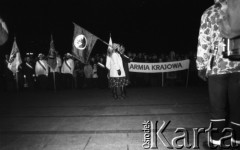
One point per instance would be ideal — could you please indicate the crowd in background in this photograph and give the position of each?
(92, 75)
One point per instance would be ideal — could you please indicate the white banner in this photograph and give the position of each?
(159, 67)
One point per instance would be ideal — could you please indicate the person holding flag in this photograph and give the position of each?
(14, 62)
(67, 70)
(28, 72)
(8, 78)
(116, 71)
(102, 72)
(125, 61)
(15, 59)
(41, 71)
(54, 61)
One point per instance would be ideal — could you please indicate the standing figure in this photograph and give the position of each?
(41, 71)
(125, 61)
(8, 78)
(222, 73)
(117, 74)
(88, 74)
(58, 71)
(67, 70)
(78, 74)
(95, 75)
(102, 72)
(55, 72)
(28, 73)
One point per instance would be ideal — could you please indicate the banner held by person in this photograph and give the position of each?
(83, 43)
(159, 67)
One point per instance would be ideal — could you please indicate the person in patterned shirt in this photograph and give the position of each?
(222, 74)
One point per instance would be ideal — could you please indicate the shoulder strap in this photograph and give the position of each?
(68, 65)
(42, 65)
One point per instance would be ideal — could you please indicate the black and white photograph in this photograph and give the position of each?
(120, 75)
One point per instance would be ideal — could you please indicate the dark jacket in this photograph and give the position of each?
(125, 61)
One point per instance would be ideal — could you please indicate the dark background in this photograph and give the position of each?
(154, 26)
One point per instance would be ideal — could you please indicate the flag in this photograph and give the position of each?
(52, 58)
(15, 58)
(83, 43)
(110, 44)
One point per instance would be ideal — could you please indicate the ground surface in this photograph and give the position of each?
(90, 119)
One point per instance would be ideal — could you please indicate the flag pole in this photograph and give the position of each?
(96, 36)
(76, 57)
(104, 42)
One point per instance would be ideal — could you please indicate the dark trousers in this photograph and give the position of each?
(55, 84)
(68, 81)
(80, 81)
(224, 93)
(88, 83)
(29, 83)
(42, 82)
(102, 82)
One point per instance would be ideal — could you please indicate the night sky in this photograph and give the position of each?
(152, 26)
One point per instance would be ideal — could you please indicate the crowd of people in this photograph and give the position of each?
(35, 73)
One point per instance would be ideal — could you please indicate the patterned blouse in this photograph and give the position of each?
(208, 56)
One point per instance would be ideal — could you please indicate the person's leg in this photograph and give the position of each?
(58, 81)
(61, 81)
(50, 85)
(234, 104)
(122, 82)
(124, 91)
(70, 82)
(122, 94)
(116, 87)
(41, 82)
(112, 90)
(115, 92)
(65, 80)
(218, 95)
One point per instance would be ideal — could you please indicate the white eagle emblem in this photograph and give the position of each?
(80, 42)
